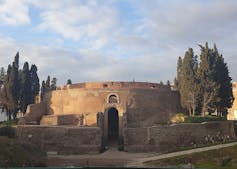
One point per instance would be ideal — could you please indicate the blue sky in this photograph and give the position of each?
(114, 40)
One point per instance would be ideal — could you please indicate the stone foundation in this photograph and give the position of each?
(169, 138)
(61, 139)
(68, 119)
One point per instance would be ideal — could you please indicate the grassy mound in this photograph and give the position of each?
(14, 153)
(200, 119)
(225, 158)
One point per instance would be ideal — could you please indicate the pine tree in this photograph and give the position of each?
(35, 86)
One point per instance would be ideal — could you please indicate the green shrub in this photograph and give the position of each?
(200, 119)
(9, 123)
(20, 154)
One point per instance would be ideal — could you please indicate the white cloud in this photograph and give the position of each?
(14, 12)
(81, 22)
(108, 44)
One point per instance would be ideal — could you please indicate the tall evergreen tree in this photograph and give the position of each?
(8, 98)
(26, 87)
(222, 77)
(208, 86)
(35, 86)
(42, 90)
(53, 84)
(48, 84)
(179, 73)
(2, 77)
(69, 82)
(15, 85)
(189, 82)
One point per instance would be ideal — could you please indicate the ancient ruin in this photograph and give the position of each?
(134, 116)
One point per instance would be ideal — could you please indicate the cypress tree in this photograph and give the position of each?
(26, 87)
(15, 85)
(6, 94)
(179, 72)
(69, 82)
(53, 84)
(222, 77)
(208, 86)
(42, 90)
(35, 86)
(47, 84)
(189, 82)
(2, 76)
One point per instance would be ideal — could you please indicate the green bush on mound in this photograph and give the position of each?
(181, 118)
(14, 153)
(200, 119)
(9, 123)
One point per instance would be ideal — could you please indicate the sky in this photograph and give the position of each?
(114, 40)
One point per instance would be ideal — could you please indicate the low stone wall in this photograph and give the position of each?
(170, 137)
(68, 119)
(61, 139)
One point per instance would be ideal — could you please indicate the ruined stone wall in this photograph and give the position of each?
(61, 139)
(84, 101)
(33, 114)
(165, 138)
(148, 107)
(145, 106)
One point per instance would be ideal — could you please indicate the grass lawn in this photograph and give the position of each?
(225, 158)
(14, 153)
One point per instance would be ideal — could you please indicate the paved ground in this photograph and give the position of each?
(113, 157)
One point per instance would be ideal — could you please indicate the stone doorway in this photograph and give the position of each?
(113, 124)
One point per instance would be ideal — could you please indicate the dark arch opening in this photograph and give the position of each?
(113, 124)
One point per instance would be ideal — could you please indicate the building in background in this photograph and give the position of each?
(232, 113)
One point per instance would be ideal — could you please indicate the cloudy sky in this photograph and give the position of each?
(114, 40)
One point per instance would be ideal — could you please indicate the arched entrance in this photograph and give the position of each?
(113, 124)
